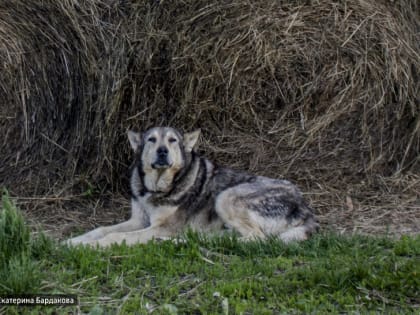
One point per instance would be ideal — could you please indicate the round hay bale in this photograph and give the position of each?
(303, 89)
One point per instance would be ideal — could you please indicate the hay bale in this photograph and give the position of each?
(303, 89)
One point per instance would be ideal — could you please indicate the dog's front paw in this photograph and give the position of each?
(75, 241)
(113, 238)
(86, 238)
(82, 239)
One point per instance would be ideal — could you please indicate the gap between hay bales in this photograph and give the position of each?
(323, 93)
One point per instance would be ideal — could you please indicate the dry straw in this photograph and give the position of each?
(322, 92)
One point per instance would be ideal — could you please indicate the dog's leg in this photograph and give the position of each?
(102, 231)
(130, 238)
(138, 220)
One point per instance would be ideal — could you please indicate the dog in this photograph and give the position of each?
(174, 188)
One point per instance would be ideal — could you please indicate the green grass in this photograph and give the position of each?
(219, 275)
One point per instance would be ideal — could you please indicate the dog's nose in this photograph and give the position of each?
(162, 151)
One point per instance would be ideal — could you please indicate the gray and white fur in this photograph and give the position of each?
(173, 188)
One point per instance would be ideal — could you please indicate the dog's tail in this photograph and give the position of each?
(310, 222)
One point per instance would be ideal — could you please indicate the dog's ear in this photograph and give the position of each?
(134, 138)
(191, 140)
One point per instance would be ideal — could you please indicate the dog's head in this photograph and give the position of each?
(162, 151)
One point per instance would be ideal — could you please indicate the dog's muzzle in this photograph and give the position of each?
(161, 158)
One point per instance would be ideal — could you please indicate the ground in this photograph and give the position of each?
(373, 206)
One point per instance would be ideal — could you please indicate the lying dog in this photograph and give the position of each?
(174, 188)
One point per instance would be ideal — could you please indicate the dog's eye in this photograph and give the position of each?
(152, 139)
(172, 140)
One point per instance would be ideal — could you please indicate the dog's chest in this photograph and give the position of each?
(157, 213)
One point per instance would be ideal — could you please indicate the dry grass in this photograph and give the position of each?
(324, 93)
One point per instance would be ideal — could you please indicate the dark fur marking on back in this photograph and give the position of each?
(224, 178)
(277, 202)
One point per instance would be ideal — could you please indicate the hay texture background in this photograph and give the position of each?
(325, 93)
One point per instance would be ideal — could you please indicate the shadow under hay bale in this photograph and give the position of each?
(324, 93)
